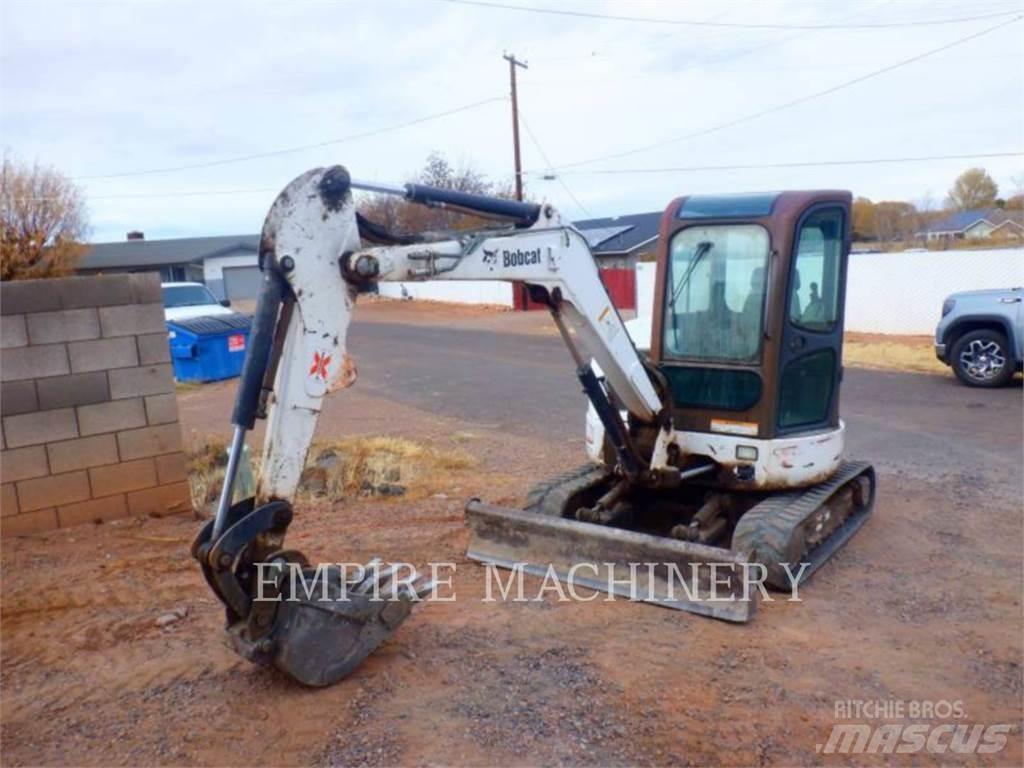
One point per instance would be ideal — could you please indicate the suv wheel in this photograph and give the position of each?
(982, 359)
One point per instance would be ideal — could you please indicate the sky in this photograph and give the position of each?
(109, 91)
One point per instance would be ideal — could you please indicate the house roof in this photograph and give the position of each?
(610, 235)
(620, 234)
(962, 220)
(152, 253)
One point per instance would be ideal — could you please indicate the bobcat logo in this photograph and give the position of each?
(491, 258)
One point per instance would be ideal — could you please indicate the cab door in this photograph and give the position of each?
(810, 358)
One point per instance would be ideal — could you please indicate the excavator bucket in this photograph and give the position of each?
(315, 624)
(675, 574)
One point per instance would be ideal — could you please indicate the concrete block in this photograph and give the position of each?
(170, 468)
(53, 490)
(13, 331)
(8, 500)
(23, 463)
(95, 291)
(136, 382)
(65, 325)
(161, 409)
(146, 288)
(76, 389)
(20, 296)
(126, 476)
(32, 362)
(150, 441)
(92, 511)
(160, 501)
(40, 427)
(102, 354)
(111, 417)
(29, 522)
(132, 319)
(69, 455)
(18, 397)
(154, 348)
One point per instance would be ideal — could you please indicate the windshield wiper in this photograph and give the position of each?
(702, 250)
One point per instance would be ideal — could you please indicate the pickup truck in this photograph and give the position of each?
(981, 335)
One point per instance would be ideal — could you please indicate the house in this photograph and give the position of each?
(981, 224)
(226, 264)
(618, 242)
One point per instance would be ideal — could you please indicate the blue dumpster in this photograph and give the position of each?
(208, 348)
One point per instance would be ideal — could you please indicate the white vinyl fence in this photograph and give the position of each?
(458, 291)
(903, 292)
(900, 292)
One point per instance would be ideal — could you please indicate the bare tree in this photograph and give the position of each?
(894, 221)
(863, 223)
(401, 216)
(44, 222)
(973, 188)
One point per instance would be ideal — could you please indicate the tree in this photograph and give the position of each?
(401, 216)
(44, 222)
(863, 224)
(973, 188)
(895, 220)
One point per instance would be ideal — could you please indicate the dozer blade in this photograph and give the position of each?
(662, 571)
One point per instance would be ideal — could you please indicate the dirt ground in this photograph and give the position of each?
(924, 604)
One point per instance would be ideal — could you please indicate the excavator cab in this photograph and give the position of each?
(748, 329)
(749, 294)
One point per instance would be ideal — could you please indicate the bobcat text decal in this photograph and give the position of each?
(518, 258)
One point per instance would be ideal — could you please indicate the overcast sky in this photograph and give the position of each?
(99, 88)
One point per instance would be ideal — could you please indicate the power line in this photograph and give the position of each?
(613, 171)
(726, 24)
(797, 101)
(797, 164)
(547, 160)
(290, 150)
(188, 193)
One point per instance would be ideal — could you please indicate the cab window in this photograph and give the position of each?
(814, 286)
(715, 291)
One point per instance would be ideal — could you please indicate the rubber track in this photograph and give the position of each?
(768, 528)
(551, 496)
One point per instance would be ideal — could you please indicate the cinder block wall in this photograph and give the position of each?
(90, 420)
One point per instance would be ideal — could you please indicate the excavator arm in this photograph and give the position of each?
(313, 246)
(313, 266)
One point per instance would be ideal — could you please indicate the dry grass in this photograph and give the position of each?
(897, 353)
(366, 466)
(344, 469)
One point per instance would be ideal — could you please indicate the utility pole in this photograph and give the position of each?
(513, 62)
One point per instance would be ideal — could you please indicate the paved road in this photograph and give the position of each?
(916, 423)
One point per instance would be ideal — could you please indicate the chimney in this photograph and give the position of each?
(136, 235)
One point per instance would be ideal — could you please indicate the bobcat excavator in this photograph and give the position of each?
(719, 449)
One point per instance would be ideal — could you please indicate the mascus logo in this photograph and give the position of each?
(518, 258)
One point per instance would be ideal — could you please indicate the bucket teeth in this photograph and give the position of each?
(420, 588)
(365, 576)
